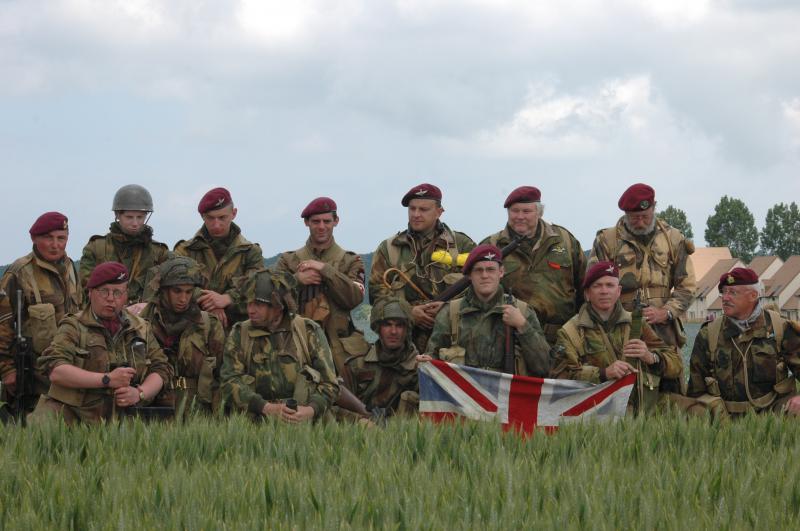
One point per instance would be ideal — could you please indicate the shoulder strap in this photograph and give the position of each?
(778, 325)
(714, 330)
(300, 337)
(455, 318)
(31, 274)
(609, 242)
(393, 252)
(667, 234)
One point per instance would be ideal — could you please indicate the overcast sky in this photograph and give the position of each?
(282, 101)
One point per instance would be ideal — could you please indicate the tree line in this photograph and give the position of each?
(732, 225)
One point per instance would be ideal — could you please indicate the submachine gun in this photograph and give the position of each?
(146, 413)
(23, 364)
(644, 380)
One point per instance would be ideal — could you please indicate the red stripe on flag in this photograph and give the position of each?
(596, 398)
(523, 403)
(465, 386)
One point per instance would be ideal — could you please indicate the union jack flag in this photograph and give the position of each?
(517, 402)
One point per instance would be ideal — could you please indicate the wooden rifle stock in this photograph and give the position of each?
(455, 289)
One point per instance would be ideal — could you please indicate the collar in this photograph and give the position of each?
(322, 254)
(587, 318)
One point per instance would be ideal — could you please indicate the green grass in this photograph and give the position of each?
(651, 474)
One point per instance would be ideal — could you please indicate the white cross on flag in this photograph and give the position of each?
(517, 402)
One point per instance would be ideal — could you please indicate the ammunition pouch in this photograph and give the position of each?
(41, 325)
(355, 344)
(455, 354)
(206, 385)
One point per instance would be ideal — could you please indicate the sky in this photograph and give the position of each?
(360, 100)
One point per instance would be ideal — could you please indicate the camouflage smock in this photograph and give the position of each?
(269, 368)
(481, 333)
(139, 253)
(545, 271)
(240, 258)
(329, 303)
(380, 384)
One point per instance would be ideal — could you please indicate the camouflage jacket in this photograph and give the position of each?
(138, 253)
(378, 384)
(722, 373)
(546, 272)
(413, 257)
(329, 303)
(480, 331)
(47, 295)
(584, 347)
(83, 342)
(195, 356)
(660, 268)
(241, 258)
(262, 366)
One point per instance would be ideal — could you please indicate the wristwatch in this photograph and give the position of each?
(141, 394)
(106, 380)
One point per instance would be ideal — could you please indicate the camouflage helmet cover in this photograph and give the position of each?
(277, 289)
(180, 270)
(390, 308)
(132, 197)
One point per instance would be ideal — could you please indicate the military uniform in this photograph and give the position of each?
(475, 335)
(330, 302)
(546, 272)
(82, 341)
(225, 260)
(657, 266)
(139, 253)
(586, 344)
(293, 361)
(411, 254)
(195, 354)
(748, 370)
(49, 292)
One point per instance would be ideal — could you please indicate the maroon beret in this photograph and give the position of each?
(598, 271)
(482, 253)
(738, 276)
(214, 200)
(523, 194)
(637, 198)
(422, 191)
(320, 205)
(47, 222)
(108, 273)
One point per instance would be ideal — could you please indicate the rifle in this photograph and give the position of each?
(455, 289)
(636, 333)
(508, 356)
(349, 401)
(22, 361)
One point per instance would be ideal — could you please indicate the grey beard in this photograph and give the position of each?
(640, 232)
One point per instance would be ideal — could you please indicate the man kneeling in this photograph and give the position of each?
(601, 342)
(104, 361)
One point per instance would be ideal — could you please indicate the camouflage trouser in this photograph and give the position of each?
(718, 409)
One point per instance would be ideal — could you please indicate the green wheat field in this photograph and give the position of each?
(664, 473)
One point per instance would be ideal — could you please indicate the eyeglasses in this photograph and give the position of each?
(117, 293)
(732, 292)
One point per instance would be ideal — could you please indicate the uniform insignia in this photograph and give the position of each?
(421, 191)
(558, 249)
(644, 204)
(610, 269)
(121, 276)
(730, 279)
(490, 256)
(220, 201)
(65, 224)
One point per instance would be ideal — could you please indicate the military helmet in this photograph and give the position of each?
(391, 308)
(132, 197)
(272, 288)
(180, 270)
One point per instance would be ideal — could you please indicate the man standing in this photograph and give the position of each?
(741, 361)
(653, 262)
(384, 375)
(330, 279)
(193, 340)
(104, 359)
(488, 328)
(50, 290)
(226, 255)
(403, 265)
(129, 241)
(546, 269)
(605, 342)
